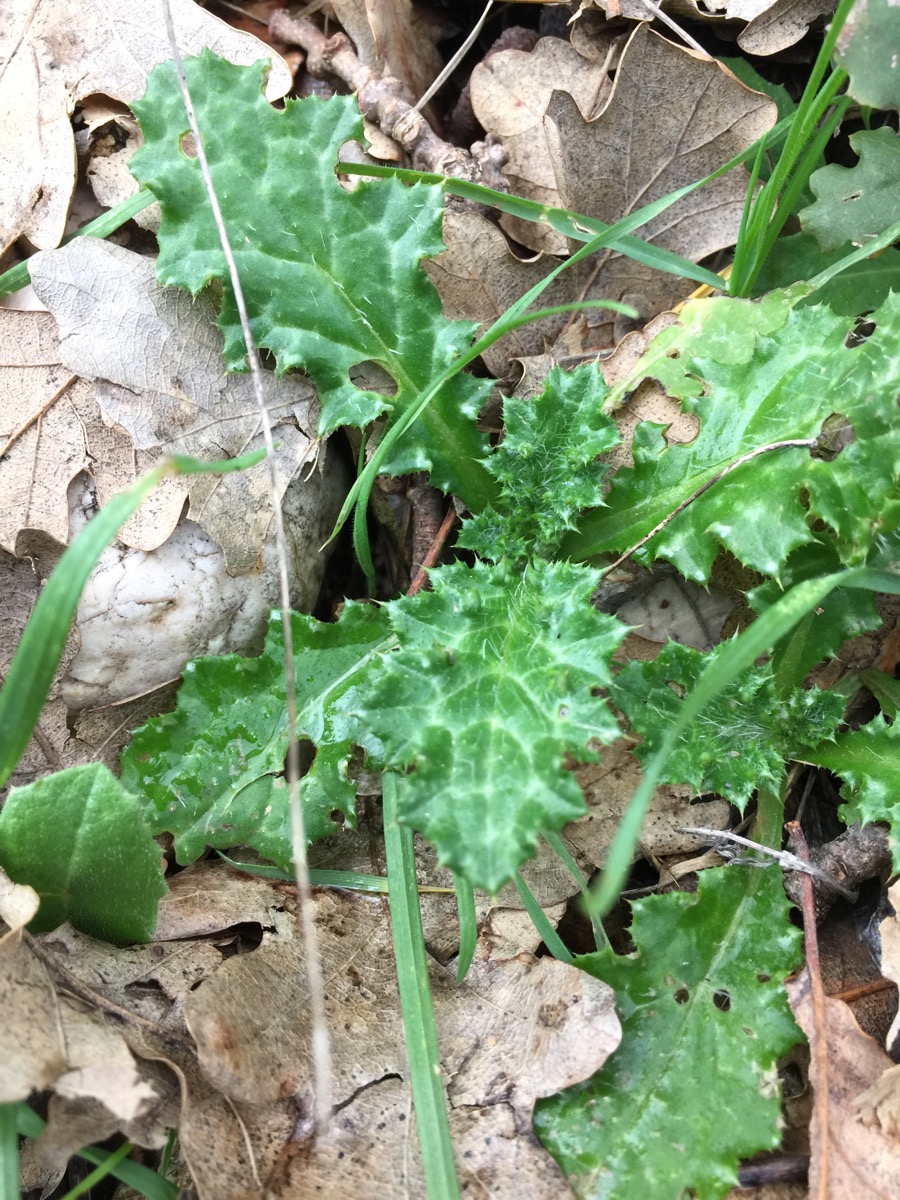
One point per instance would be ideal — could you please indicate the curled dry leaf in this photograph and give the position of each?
(54, 57)
(771, 25)
(158, 358)
(515, 1030)
(172, 588)
(510, 91)
(847, 1156)
(672, 118)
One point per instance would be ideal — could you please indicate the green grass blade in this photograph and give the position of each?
(885, 239)
(17, 277)
(415, 1003)
(100, 1172)
(743, 238)
(468, 925)
(38, 653)
(135, 1175)
(739, 654)
(539, 920)
(9, 1153)
(572, 225)
(558, 846)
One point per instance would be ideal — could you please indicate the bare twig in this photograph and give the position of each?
(819, 1038)
(437, 545)
(722, 838)
(381, 99)
(321, 1050)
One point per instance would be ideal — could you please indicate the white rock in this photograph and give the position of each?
(143, 615)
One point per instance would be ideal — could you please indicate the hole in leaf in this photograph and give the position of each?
(835, 433)
(722, 1000)
(337, 816)
(188, 145)
(681, 995)
(562, 712)
(371, 376)
(673, 353)
(306, 755)
(762, 977)
(862, 330)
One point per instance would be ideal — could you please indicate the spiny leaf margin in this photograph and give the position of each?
(704, 1014)
(495, 682)
(735, 746)
(212, 771)
(332, 278)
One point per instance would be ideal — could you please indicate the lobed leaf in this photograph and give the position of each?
(867, 51)
(704, 1015)
(213, 770)
(735, 746)
(494, 687)
(79, 839)
(331, 277)
(854, 204)
(546, 465)
(868, 761)
(758, 373)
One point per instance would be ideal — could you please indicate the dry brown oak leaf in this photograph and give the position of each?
(516, 1029)
(156, 355)
(671, 119)
(510, 91)
(847, 1157)
(771, 25)
(171, 588)
(54, 56)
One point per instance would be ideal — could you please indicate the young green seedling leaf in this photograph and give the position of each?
(759, 375)
(494, 687)
(547, 467)
(735, 746)
(81, 841)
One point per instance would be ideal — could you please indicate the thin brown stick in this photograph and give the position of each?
(382, 99)
(808, 443)
(321, 1045)
(437, 545)
(819, 1041)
